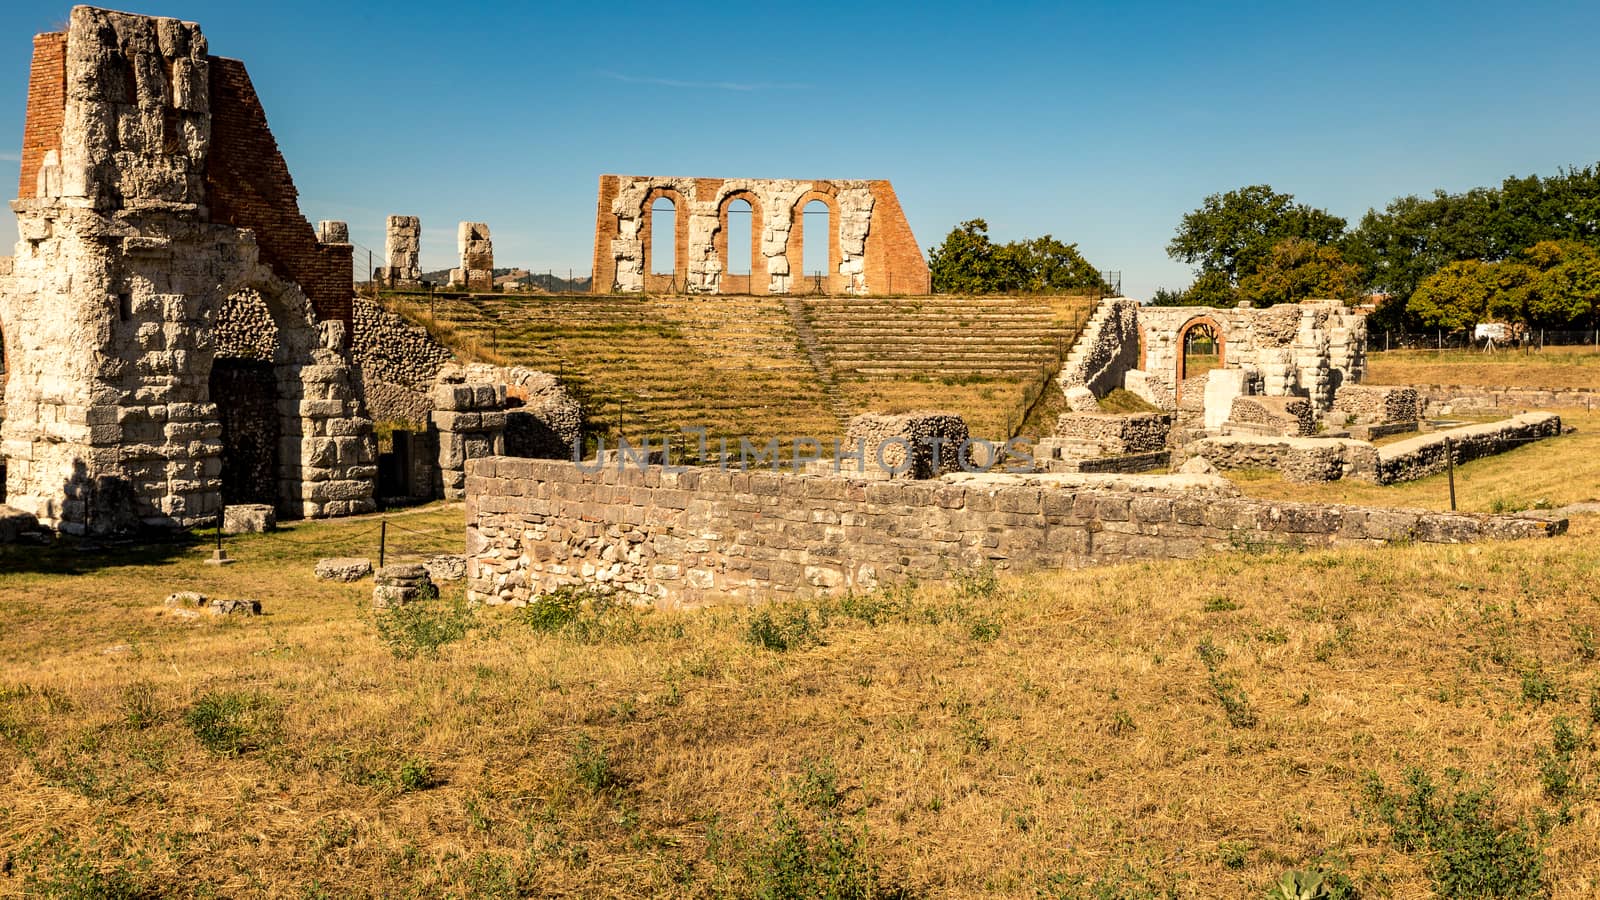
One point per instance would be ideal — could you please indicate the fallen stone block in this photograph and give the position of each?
(446, 567)
(400, 584)
(186, 599)
(243, 607)
(249, 518)
(343, 568)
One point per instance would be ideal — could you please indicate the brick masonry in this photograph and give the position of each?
(695, 536)
(870, 243)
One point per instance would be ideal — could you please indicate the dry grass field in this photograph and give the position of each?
(1553, 367)
(1145, 730)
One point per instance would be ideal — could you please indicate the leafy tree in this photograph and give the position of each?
(1415, 237)
(1564, 289)
(1455, 297)
(968, 262)
(1299, 269)
(1231, 235)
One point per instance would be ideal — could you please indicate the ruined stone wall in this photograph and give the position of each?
(398, 362)
(1376, 404)
(1112, 434)
(123, 261)
(1283, 416)
(1105, 350)
(1299, 459)
(1446, 399)
(681, 538)
(1429, 454)
(1307, 349)
(902, 445)
(871, 247)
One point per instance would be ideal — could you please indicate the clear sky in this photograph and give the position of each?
(1100, 123)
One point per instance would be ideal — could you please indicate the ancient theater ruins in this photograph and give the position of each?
(164, 264)
(870, 245)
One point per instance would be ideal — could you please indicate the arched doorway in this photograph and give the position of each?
(1201, 346)
(738, 245)
(664, 234)
(816, 238)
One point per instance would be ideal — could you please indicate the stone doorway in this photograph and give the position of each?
(246, 394)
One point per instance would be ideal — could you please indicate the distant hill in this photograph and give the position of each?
(543, 281)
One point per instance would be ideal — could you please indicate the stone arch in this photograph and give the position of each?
(293, 414)
(807, 282)
(754, 282)
(1198, 326)
(680, 239)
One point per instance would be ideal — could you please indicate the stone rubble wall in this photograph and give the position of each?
(1106, 348)
(1307, 459)
(1426, 454)
(398, 362)
(1110, 434)
(890, 439)
(871, 245)
(1447, 399)
(1299, 459)
(680, 538)
(1281, 416)
(1374, 404)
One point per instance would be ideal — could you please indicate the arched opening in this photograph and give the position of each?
(1202, 346)
(663, 237)
(244, 385)
(817, 247)
(736, 245)
(739, 255)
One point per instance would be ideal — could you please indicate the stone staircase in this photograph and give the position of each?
(995, 337)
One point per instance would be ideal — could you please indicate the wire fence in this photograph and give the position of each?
(1531, 340)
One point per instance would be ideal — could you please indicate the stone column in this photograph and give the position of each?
(477, 257)
(471, 421)
(402, 249)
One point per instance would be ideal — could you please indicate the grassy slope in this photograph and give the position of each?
(1008, 738)
(1555, 367)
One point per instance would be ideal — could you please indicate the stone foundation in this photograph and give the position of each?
(682, 538)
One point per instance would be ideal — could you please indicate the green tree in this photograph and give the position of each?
(1299, 269)
(1564, 288)
(1453, 298)
(1231, 235)
(968, 262)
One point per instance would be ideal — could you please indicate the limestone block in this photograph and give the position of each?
(1081, 399)
(248, 518)
(1222, 385)
(343, 568)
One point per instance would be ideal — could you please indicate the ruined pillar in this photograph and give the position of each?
(402, 249)
(477, 257)
(471, 421)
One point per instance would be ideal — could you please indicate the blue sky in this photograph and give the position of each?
(1100, 123)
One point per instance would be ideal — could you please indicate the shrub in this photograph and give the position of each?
(1313, 884)
(810, 847)
(1235, 702)
(233, 723)
(1471, 854)
(591, 766)
(787, 628)
(423, 626)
